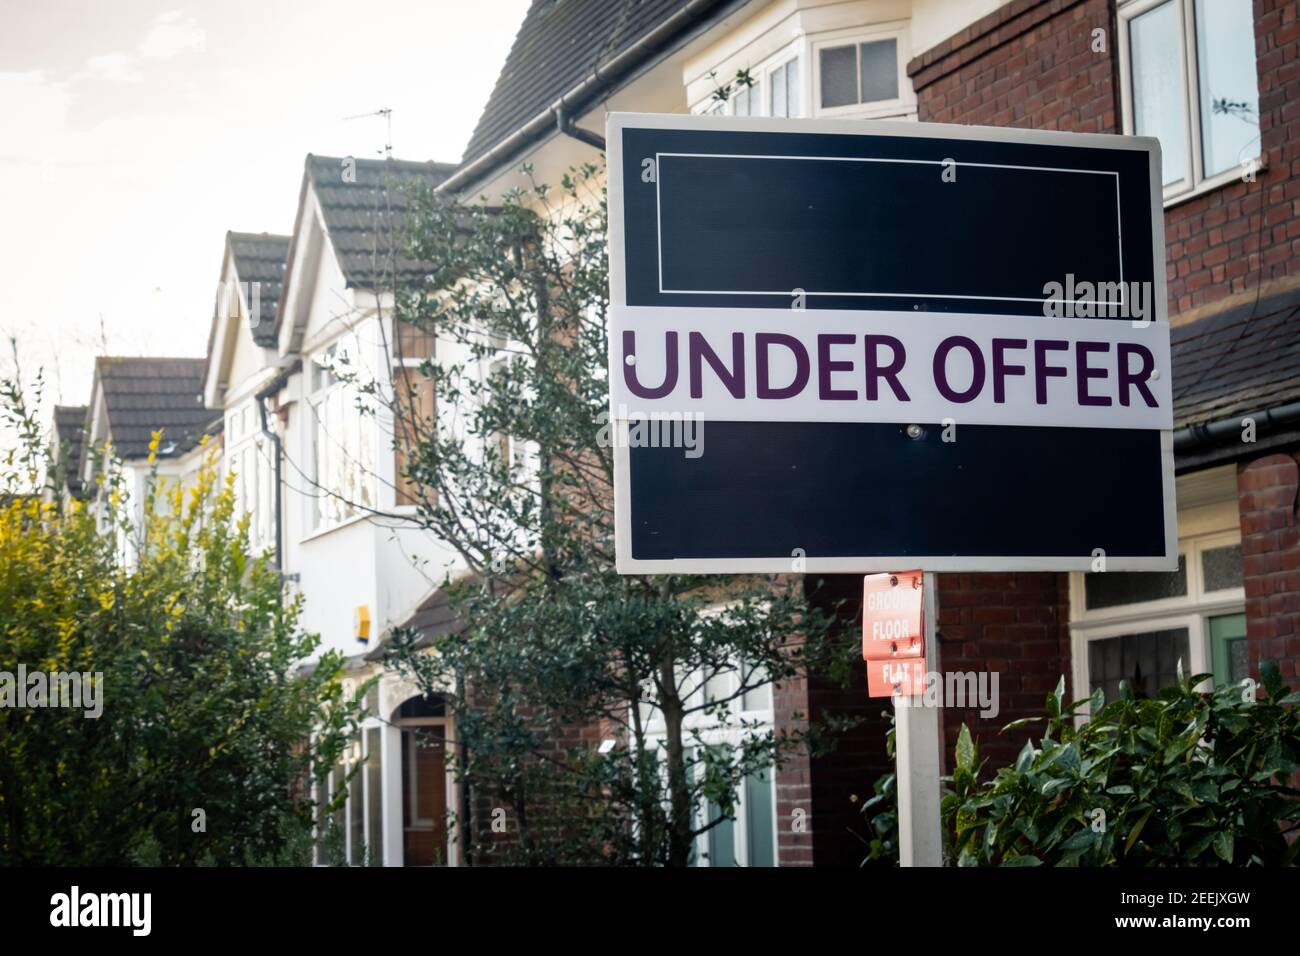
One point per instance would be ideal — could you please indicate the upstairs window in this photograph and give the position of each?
(746, 100)
(342, 434)
(858, 73)
(502, 449)
(784, 85)
(414, 409)
(1187, 69)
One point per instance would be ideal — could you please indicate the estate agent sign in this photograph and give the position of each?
(853, 347)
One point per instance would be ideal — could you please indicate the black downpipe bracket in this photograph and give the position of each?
(566, 125)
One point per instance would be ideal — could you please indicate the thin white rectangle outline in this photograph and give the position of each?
(616, 122)
(659, 231)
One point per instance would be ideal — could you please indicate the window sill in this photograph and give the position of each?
(892, 109)
(398, 511)
(1207, 186)
(323, 532)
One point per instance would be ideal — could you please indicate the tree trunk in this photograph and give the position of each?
(679, 798)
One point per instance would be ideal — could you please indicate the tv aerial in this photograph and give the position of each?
(387, 114)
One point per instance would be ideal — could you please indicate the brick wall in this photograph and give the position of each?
(489, 801)
(1031, 64)
(1270, 553)
(794, 819)
(1015, 625)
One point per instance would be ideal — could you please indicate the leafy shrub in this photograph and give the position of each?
(882, 825)
(1186, 779)
(195, 650)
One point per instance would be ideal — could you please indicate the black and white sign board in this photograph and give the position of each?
(845, 346)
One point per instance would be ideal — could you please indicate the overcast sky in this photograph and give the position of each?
(133, 134)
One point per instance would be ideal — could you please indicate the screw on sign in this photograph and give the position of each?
(893, 632)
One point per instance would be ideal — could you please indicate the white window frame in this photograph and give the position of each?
(519, 456)
(1192, 611)
(318, 521)
(355, 760)
(1195, 182)
(755, 94)
(368, 797)
(410, 364)
(780, 62)
(740, 822)
(711, 734)
(254, 490)
(761, 74)
(902, 105)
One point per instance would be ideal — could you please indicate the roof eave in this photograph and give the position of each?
(671, 35)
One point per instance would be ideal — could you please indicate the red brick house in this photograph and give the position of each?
(1219, 84)
(1232, 228)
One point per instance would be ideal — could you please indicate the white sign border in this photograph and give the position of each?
(625, 563)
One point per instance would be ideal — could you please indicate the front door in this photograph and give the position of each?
(424, 795)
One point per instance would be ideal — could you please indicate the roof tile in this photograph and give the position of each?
(559, 43)
(260, 258)
(143, 395)
(1240, 360)
(363, 210)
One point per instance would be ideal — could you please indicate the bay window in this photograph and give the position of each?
(783, 81)
(746, 100)
(342, 435)
(860, 73)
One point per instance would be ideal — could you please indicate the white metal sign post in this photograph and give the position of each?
(916, 744)
(848, 347)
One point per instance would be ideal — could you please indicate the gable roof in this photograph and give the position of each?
(142, 395)
(260, 257)
(361, 215)
(69, 439)
(1241, 360)
(569, 53)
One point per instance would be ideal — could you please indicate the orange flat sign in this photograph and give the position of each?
(892, 625)
(896, 678)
